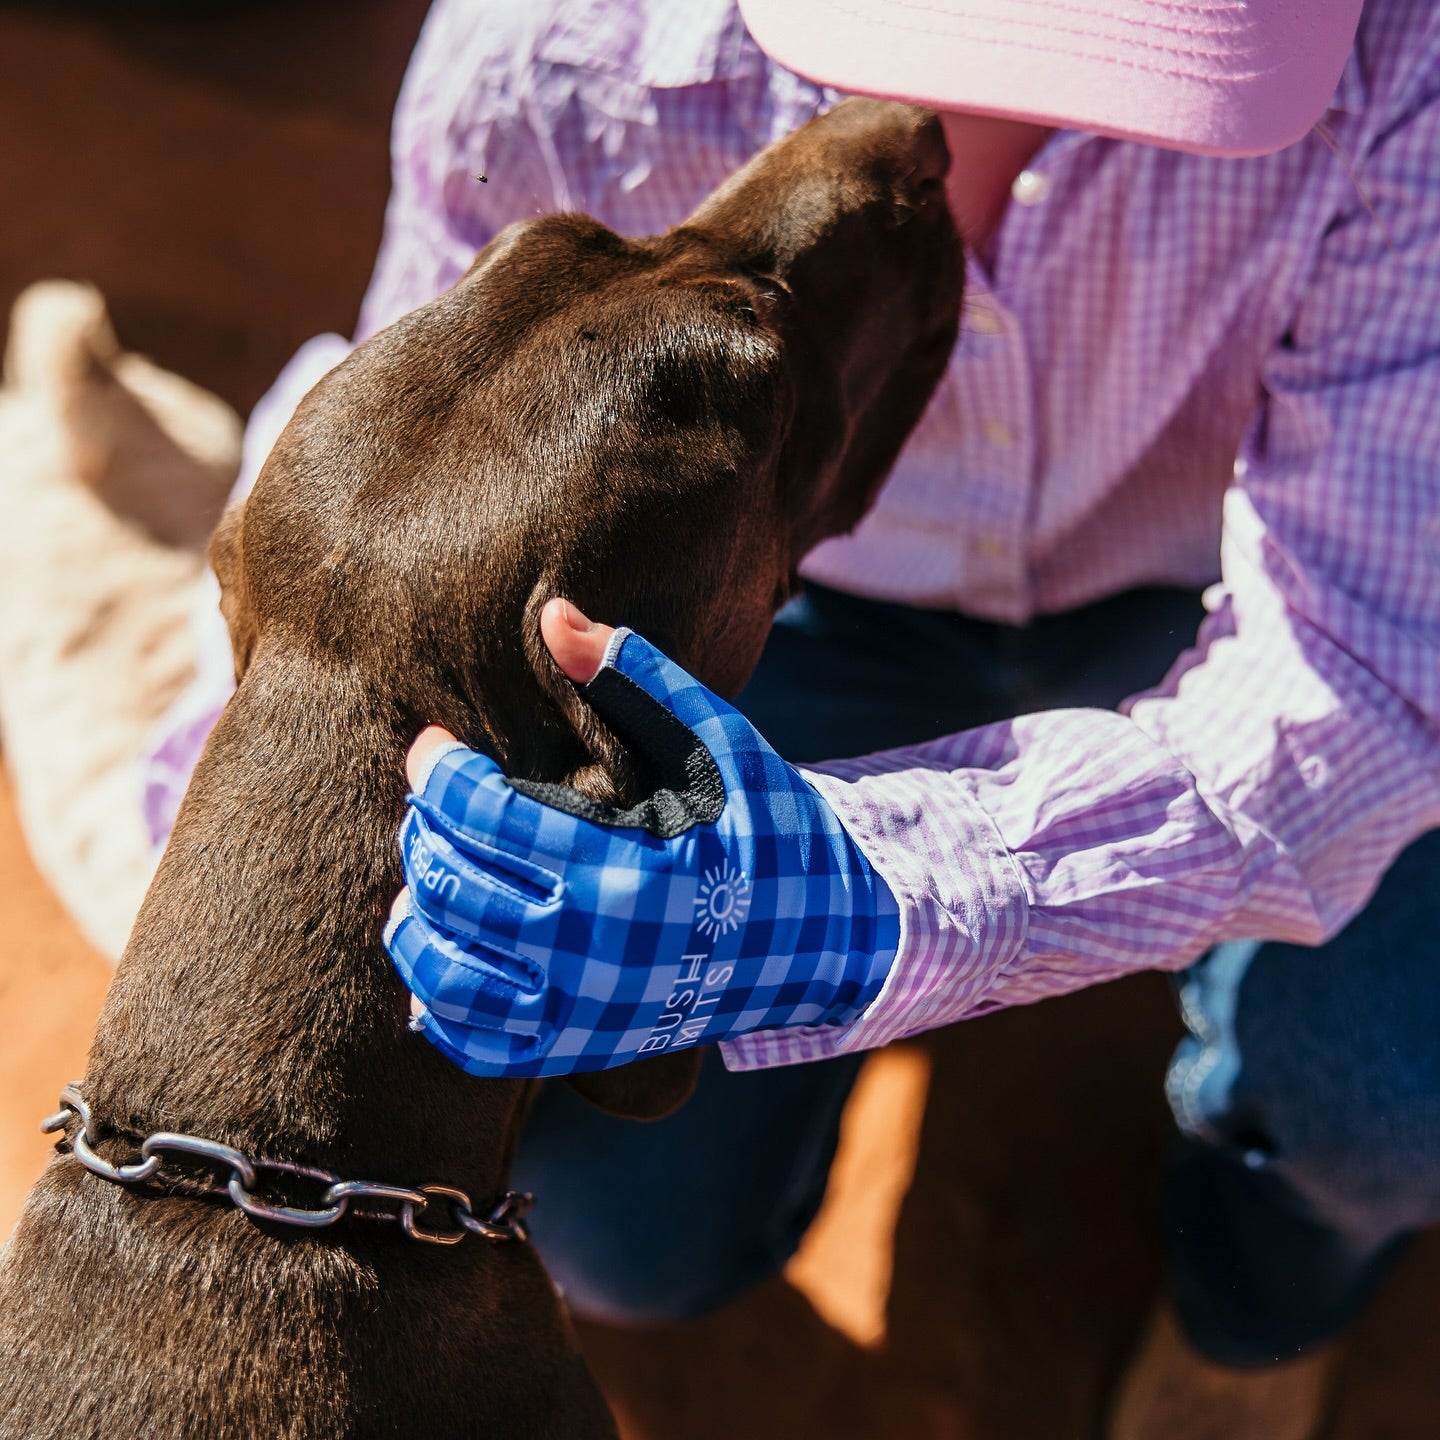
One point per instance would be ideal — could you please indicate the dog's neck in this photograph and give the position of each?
(254, 1003)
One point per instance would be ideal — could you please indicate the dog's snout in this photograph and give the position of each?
(899, 149)
(931, 157)
(913, 161)
(932, 154)
(905, 141)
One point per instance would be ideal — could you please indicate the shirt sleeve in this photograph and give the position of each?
(1262, 790)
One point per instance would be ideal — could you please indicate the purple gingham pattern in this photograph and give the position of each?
(541, 942)
(1172, 369)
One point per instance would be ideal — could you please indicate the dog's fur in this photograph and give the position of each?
(658, 429)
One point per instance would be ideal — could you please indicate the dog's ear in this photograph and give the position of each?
(644, 1090)
(228, 561)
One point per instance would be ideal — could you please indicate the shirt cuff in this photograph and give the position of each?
(964, 908)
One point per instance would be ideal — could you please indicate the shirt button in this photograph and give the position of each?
(997, 432)
(983, 320)
(1030, 188)
(990, 546)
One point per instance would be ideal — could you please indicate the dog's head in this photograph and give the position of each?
(658, 429)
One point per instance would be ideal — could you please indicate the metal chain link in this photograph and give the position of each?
(372, 1199)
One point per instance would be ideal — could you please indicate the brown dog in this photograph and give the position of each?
(656, 428)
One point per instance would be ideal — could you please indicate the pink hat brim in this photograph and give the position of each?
(1220, 77)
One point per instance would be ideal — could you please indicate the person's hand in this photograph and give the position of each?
(543, 933)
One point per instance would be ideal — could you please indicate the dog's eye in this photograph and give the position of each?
(771, 285)
(765, 294)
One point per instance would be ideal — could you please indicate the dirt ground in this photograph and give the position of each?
(987, 1247)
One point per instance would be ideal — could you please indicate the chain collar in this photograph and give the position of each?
(361, 1199)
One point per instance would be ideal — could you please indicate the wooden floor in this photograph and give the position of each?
(987, 1248)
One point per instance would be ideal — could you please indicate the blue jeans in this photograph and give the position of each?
(1308, 1093)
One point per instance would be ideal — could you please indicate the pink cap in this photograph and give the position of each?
(1222, 77)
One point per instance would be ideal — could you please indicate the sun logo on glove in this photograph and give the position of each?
(723, 901)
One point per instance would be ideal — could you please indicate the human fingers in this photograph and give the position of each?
(422, 755)
(577, 642)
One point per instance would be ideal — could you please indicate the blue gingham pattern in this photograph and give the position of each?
(542, 943)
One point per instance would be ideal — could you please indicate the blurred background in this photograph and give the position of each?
(986, 1252)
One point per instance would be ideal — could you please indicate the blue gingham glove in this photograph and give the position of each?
(545, 933)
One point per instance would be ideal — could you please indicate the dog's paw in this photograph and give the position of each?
(158, 450)
(60, 338)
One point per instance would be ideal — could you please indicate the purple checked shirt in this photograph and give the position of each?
(1172, 369)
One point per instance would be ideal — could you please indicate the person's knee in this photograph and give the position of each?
(646, 1223)
(658, 1284)
(633, 1262)
(1319, 1065)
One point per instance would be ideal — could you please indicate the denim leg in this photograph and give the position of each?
(1308, 1094)
(642, 1223)
(648, 1222)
